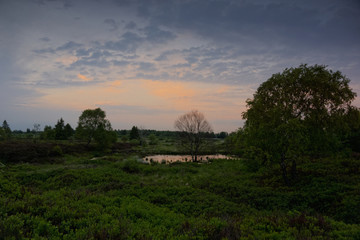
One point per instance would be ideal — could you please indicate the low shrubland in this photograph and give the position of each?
(118, 197)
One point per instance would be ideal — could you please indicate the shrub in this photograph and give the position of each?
(254, 158)
(131, 166)
(57, 151)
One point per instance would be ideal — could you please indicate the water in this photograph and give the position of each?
(182, 158)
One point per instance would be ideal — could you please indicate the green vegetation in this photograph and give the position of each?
(301, 111)
(297, 175)
(94, 125)
(117, 197)
(5, 131)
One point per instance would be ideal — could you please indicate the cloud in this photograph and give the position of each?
(155, 35)
(128, 43)
(121, 63)
(146, 66)
(83, 52)
(65, 4)
(130, 25)
(261, 23)
(167, 90)
(44, 50)
(45, 39)
(84, 78)
(139, 110)
(69, 46)
(112, 24)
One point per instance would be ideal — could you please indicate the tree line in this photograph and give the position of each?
(302, 112)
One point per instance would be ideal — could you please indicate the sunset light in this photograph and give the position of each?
(146, 67)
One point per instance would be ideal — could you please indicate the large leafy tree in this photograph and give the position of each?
(193, 127)
(300, 109)
(93, 124)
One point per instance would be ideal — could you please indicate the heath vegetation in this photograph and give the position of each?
(294, 172)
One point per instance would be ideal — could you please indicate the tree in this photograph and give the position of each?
(48, 133)
(93, 124)
(153, 139)
(299, 109)
(36, 128)
(59, 130)
(192, 126)
(6, 130)
(134, 133)
(68, 131)
(2, 134)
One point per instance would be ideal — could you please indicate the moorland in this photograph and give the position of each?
(73, 191)
(293, 172)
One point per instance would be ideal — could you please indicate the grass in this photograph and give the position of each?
(117, 197)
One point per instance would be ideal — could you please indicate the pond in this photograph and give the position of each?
(182, 158)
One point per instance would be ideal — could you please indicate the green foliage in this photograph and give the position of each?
(301, 110)
(254, 158)
(112, 198)
(134, 133)
(2, 134)
(39, 152)
(317, 97)
(62, 131)
(59, 130)
(5, 131)
(131, 166)
(153, 139)
(94, 125)
(48, 133)
(57, 151)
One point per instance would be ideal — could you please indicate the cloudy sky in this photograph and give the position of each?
(145, 62)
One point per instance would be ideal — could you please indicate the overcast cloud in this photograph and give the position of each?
(54, 48)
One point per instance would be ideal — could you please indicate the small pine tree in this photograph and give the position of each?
(6, 130)
(59, 130)
(134, 133)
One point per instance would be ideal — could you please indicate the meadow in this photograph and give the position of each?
(67, 191)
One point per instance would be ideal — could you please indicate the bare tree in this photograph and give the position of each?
(192, 127)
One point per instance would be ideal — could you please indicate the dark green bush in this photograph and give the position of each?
(131, 166)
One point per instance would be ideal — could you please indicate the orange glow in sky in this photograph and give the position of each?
(168, 99)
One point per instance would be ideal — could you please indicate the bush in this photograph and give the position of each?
(131, 166)
(56, 151)
(254, 158)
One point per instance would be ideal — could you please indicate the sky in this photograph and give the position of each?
(146, 62)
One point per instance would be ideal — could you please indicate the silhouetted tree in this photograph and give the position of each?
(222, 135)
(36, 128)
(60, 130)
(68, 131)
(6, 130)
(93, 124)
(134, 133)
(299, 109)
(48, 133)
(193, 126)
